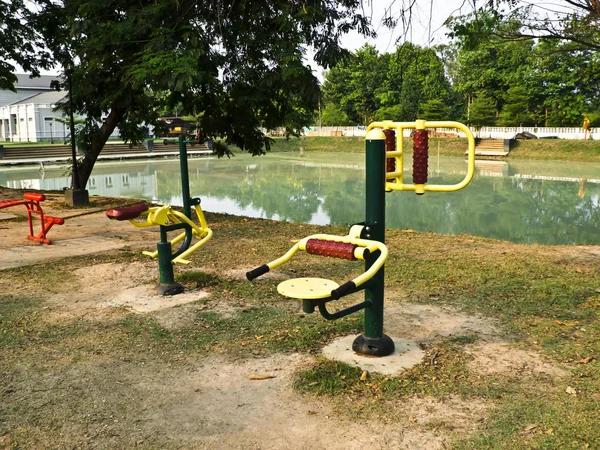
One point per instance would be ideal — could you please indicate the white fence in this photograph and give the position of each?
(540, 132)
(485, 132)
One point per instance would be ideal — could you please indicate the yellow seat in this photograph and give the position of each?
(307, 288)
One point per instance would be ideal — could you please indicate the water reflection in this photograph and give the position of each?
(528, 202)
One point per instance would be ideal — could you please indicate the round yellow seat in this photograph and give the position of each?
(307, 288)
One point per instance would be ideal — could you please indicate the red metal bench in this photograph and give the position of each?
(32, 201)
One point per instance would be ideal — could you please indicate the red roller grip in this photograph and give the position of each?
(420, 156)
(331, 248)
(390, 146)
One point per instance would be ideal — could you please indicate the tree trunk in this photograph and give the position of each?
(95, 146)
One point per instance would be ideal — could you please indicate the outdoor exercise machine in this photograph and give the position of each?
(169, 219)
(366, 241)
(31, 201)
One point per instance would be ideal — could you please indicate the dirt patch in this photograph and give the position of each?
(450, 414)
(428, 323)
(496, 358)
(581, 254)
(214, 404)
(111, 285)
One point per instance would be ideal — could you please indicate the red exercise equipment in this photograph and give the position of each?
(31, 201)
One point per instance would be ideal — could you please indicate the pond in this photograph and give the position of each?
(545, 202)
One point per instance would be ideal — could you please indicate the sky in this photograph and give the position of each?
(426, 25)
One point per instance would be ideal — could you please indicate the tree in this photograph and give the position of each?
(237, 66)
(491, 66)
(19, 42)
(333, 115)
(435, 109)
(414, 76)
(483, 111)
(353, 84)
(516, 107)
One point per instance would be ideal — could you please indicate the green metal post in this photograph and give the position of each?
(167, 284)
(373, 342)
(185, 178)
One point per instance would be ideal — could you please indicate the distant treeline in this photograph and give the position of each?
(497, 82)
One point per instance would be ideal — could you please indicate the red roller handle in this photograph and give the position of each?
(420, 156)
(390, 146)
(331, 248)
(33, 196)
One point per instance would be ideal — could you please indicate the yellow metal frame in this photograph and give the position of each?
(353, 237)
(398, 183)
(165, 215)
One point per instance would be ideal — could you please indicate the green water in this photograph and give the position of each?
(526, 202)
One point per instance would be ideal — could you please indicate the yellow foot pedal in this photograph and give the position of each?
(307, 288)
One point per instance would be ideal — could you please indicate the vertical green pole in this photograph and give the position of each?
(165, 266)
(167, 284)
(373, 342)
(185, 178)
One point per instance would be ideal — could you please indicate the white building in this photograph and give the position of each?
(31, 115)
(27, 116)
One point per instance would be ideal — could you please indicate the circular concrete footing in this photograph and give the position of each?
(406, 355)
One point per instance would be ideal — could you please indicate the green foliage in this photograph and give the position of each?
(482, 112)
(435, 109)
(237, 67)
(333, 115)
(353, 84)
(370, 86)
(516, 106)
(19, 42)
(550, 82)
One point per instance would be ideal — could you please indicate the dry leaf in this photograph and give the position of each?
(412, 419)
(569, 390)
(585, 360)
(364, 376)
(528, 429)
(598, 290)
(549, 431)
(567, 324)
(260, 377)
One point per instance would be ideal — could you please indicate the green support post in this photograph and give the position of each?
(167, 285)
(185, 178)
(373, 341)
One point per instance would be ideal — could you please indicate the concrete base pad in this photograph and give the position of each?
(144, 299)
(406, 355)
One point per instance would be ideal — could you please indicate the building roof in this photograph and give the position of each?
(46, 98)
(41, 82)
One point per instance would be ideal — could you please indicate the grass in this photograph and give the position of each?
(542, 149)
(546, 299)
(557, 149)
(356, 144)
